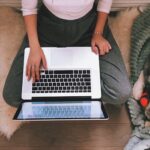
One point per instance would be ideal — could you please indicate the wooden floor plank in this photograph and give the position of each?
(46, 134)
(117, 114)
(61, 148)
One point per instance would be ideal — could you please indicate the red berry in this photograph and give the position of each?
(144, 101)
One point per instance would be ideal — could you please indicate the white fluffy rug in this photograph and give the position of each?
(11, 35)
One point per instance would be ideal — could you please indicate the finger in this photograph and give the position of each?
(101, 49)
(29, 72)
(94, 47)
(37, 72)
(102, 52)
(96, 50)
(109, 46)
(44, 61)
(27, 69)
(33, 73)
(106, 49)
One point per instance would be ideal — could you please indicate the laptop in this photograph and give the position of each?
(68, 90)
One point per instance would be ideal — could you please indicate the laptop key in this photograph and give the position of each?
(58, 84)
(84, 71)
(50, 84)
(50, 72)
(74, 83)
(62, 84)
(46, 71)
(64, 88)
(51, 76)
(55, 76)
(80, 72)
(63, 72)
(87, 79)
(88, 83)
(34, 88)
(66, 84)
(38, 84)
(54, 84)
(86, 76)
(77, 80)
(43, 76)
(56, 88)
(75, 71)
(60, 88)
(46, 84)
(33, 84)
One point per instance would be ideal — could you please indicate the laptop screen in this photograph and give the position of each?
(44, 110)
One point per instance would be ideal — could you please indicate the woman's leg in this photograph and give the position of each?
(115, 84)
(13, 85)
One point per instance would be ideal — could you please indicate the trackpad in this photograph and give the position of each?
(61, 58)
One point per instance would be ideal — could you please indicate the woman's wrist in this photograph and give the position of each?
(34, 45)
(97, 33)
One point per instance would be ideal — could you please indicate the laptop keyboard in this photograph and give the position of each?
(63, 81)
(62, 111)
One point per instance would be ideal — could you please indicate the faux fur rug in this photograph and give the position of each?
(11, 34)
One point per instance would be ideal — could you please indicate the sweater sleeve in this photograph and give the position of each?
(29, 7)
(104, 5)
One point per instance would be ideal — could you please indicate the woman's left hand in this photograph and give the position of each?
(100, 45)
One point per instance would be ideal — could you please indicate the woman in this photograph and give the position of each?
(69, 23)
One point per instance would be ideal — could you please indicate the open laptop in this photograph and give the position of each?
(68, 90)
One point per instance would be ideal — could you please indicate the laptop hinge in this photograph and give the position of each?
(87, 98)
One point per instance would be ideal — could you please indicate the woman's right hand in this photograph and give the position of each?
(35, 60)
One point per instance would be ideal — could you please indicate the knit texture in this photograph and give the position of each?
(140, 43)
(140, 49)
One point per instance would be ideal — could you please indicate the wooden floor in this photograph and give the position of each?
(78, 135)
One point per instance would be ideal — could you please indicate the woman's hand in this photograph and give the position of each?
(35, 60)
(100, 45)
